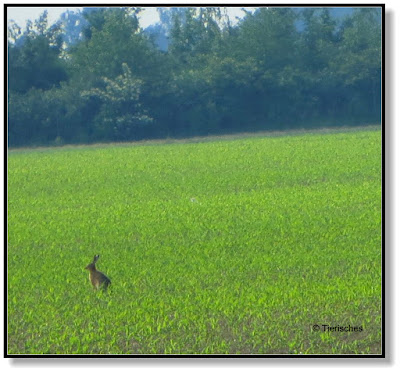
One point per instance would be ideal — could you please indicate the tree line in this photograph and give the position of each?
(277, 68)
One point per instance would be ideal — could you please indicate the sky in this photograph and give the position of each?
(21, 14)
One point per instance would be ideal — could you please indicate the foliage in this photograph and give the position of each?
(114, 39)
(121, 113)
(218, 247)
(35, 63)
(265, 72)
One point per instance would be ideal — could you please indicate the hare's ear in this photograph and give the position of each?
(96, 258)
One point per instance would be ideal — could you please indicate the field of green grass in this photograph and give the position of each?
(238, 247)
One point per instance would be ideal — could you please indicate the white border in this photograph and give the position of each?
(392, 237)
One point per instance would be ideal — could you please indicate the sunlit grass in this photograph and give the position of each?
(221, 247)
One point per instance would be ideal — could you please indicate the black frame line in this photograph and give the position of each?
(224, 357)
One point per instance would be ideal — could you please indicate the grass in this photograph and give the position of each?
(231, 246)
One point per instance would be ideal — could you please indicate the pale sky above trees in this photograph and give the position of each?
(149, 16)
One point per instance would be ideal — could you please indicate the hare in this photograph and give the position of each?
(98, 279)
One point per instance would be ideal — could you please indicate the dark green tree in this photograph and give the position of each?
(115, 38)
(277, 68)
(269, 36)
(34, 57)
(358, 63)
(121, 116)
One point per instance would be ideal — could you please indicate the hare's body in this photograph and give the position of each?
(97, 278)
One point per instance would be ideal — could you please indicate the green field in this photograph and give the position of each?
(227, 246)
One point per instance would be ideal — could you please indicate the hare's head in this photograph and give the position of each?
(92, 265)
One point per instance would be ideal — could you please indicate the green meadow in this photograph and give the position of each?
(239, 246)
